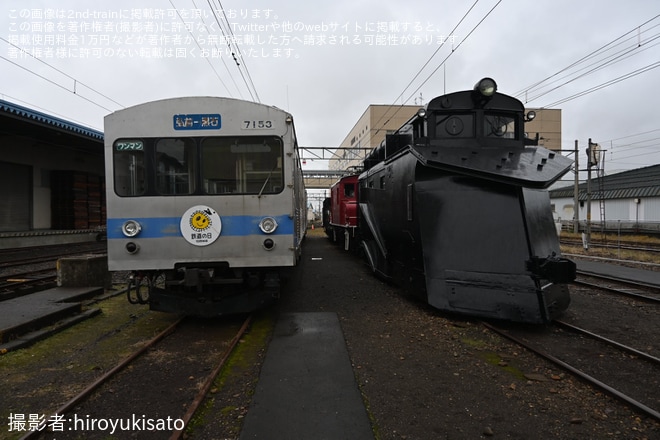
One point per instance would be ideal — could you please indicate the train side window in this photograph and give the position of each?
(174, 161)
(129, 167)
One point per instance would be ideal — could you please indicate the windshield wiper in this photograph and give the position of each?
(270, 173)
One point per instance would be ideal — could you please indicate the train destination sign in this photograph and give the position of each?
(204, 121)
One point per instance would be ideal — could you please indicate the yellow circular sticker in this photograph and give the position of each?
(200, 225)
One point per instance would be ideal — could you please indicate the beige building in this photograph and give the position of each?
(369, 132)
(547, 124)
(379, 120)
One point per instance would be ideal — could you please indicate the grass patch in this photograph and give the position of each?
(230, 391)
(40, 378)
(608, 246)
(496, 359)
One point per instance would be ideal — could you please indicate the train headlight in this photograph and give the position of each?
(131, 228)
(268, 225)
(486, 87)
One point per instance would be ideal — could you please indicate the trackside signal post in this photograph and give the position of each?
(593, 159)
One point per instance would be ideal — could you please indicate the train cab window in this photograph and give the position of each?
(129, 167)
(454, 125)
(499, 126)
(174, 159)
(242, 165)
(349, 190)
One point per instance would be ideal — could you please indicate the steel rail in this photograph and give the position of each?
(628, 246)
(584, 376)
(638, 296)
(176, 435)
(50, 258)
(104, 378)
(600, 338)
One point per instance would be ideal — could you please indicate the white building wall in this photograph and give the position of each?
(650, 207)
(647, 210)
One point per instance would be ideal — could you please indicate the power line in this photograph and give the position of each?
(75, 81)
(221, 59)
(605, 84)
(399, 107)
(627, 45)
(584, 58)
(228, 33)
(618, 57)
(200, 48)
(436, 51)
(632, 135)
(55, 84)
(454, 49)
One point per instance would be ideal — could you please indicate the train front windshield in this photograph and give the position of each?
(208, 165)
(457, 125)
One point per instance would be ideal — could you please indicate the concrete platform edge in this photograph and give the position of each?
(33, 337)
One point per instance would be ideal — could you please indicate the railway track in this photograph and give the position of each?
(47, 254)
(25, 283)
(601, 340)
(24, 272)
(636, 290)
(619, 370)
(160, 366)
(628, 246)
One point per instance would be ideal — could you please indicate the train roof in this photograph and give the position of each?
(466, 99)
(207, 98)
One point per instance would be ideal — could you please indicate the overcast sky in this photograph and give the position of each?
(325, 62)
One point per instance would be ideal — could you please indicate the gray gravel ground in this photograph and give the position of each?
(428, 375)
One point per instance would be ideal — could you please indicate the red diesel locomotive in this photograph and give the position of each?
(342, 215)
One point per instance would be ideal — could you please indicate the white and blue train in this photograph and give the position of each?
(206, 203)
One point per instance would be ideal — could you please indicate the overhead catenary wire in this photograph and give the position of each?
(639, 147)
(631, 43)
(396, 107)
(55, 83)
(605, 84)
(234, 49)
(74, 88)
(579, 61)
(421, 69)
(634, 42)
(593, 68)
(200, 48)
(76, 82)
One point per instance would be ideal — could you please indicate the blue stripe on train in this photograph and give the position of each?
(232, 226)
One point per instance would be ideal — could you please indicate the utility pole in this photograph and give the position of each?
(576, 194)
(587, 230)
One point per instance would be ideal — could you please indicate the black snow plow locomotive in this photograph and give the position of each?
(454, 207)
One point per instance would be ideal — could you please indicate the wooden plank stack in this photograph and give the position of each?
(77, 200)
